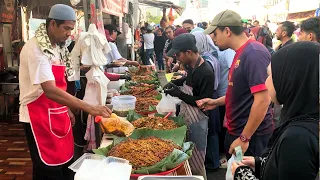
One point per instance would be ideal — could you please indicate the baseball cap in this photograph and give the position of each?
(111, 28)
(62, 12)
(224, 18)
(183, 42)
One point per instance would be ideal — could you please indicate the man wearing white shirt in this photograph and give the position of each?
(148, 45)
(115, 60)
(44, 101)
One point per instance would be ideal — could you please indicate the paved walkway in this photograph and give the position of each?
(15, 161)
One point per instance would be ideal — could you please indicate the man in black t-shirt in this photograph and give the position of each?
(198, 84)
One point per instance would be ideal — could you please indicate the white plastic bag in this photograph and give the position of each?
(167, 104)
(229, 175)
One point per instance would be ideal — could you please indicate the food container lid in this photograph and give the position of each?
(99, 160)
(77, 164)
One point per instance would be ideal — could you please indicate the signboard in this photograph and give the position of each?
(7, 10)
(125, 5)
(113, 7)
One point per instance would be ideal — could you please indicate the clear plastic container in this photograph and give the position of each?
(122, 104)
(92, 166)
(77, 164)
(97, 160)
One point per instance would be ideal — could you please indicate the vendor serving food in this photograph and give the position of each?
(198, 84)
(44, 101)
(114, 57)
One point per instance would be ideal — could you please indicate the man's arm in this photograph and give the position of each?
(258, 111)
(58, 95)
(206, 85)
(220, 101)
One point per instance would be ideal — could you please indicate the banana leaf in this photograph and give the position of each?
(132, 115)
(177, 157)
(158, 97)
(152, 108)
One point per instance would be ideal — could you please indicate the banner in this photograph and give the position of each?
(7, 11)
(113, 7)
(125, 5)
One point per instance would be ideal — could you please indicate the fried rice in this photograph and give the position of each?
(143, 152)
(157, 123)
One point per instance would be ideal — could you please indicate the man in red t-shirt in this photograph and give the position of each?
(248, 112)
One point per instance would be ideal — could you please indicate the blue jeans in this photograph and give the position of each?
(160, 60)
(212, 155)
(149, 55)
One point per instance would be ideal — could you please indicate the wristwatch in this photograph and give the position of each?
(243, 138)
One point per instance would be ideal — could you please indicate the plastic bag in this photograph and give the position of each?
(167, 104)
(229, 175)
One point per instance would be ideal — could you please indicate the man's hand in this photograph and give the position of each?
(169, 61)
(207, 104)
(173, 91)
(132, 63)
(238, 142)
(168, 86)
(100, 111)
(72, 118)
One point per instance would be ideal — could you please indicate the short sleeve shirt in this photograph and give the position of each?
(247, 76)
(114, 53)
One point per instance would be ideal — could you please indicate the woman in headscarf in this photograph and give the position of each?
(261, 34)
(203, 43)
(293, 149)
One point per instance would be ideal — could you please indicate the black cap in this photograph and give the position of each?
(111, 28)
(183, 42)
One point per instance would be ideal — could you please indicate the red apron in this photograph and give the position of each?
(51, 126)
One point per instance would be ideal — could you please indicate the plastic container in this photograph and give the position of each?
(122, 104)
(98, 158)
(92, 166)
(77, 164)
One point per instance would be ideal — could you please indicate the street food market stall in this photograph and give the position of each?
(152, 143)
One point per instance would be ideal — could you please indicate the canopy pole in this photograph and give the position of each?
(86, 14)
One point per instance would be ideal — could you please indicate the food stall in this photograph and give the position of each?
(135, 129)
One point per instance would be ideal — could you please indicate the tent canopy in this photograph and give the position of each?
(162, 4)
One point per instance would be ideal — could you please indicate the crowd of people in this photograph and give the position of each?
(257, 96)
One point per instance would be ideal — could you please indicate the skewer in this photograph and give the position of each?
(169, 113)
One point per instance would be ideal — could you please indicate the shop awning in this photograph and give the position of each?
(162, 4)
(300, 16)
